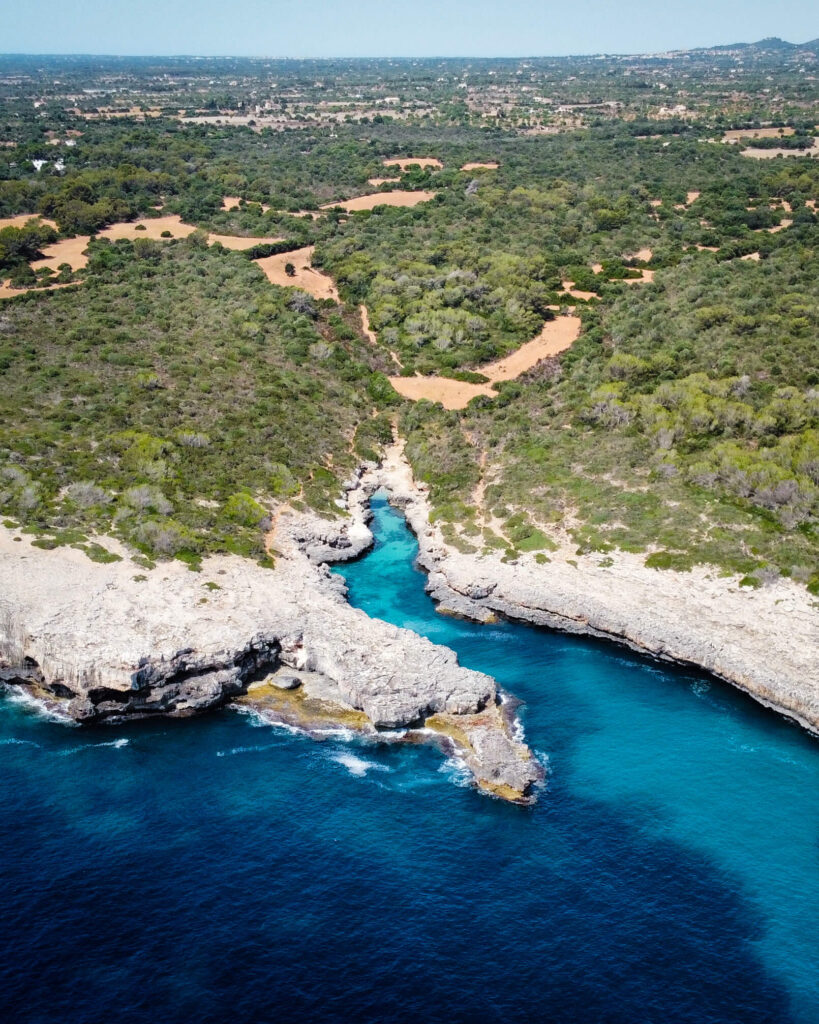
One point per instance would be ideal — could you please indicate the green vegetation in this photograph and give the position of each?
(175, 395)
(170, 400)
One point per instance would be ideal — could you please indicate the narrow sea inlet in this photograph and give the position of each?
(218, 869)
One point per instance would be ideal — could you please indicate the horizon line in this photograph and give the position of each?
(396, 57)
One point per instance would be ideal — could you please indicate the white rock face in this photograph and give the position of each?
(110, 641)
(764, 641)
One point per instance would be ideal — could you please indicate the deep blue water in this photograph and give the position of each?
(219, 870)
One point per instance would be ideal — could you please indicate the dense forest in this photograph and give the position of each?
(169, 393)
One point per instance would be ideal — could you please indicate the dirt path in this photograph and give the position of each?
(490, 165)
(365, 325)
(557, 335)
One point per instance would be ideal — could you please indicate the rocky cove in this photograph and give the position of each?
(110, 642)
(765, 642)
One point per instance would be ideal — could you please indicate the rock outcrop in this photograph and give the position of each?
(106, 642)
(765, 641)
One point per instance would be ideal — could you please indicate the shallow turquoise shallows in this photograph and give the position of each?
(222, 870)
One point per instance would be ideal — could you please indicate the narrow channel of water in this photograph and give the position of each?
(217, 869)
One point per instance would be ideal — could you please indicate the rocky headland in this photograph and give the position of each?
(113, 641)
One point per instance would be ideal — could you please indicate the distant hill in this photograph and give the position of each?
(772, 44)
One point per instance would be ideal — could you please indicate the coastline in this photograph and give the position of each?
(765, 642)
(113, 641)
(109, 642)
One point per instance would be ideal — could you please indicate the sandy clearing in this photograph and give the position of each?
(556, 336)
(786, 223)
(452, 394)
(641, 254)
(22, 219)
(307, 278)
(753, 256)
(151, 227)
(491, 165)
(691, 197)
(69, 250)
(410, 161)
(397, 198)
(8, 293)
(769, 154)
(706, 248)
(811, 204)
(655, 202)
(229, 202)
(569, 288)
(375, 182)
(647, 276)
(240, 243)
(755, 133)
(365, 325)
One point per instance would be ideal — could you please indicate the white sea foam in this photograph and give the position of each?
(23, 698)
(13, 741)
(244, 750)
(456, 772)
(116, 744)
(357, 765)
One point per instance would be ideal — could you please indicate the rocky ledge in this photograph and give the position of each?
(109, 642)
(765, 641)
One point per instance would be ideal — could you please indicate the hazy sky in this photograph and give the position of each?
(394, 28)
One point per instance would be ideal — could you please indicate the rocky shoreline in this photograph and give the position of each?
(765, 642)
(110, 642)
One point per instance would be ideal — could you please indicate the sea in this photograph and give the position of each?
(220, 869)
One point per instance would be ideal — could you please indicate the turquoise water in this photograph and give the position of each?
(222, 870)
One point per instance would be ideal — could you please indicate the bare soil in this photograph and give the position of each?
(397, 198)
(555, 337)
(306, 277)
(409, 161)
(755, 133)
